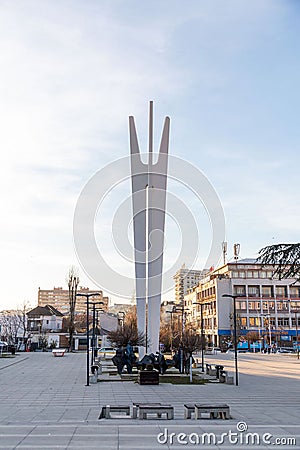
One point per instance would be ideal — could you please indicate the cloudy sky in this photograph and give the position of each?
(71, 72)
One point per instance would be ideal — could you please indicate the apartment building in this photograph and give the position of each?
(266, 305)
(59, 299)
(186, 279)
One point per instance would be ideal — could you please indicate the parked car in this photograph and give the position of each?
(285, 350)
(9, 348)
(3, 346)
(240, 350)
(212, 350)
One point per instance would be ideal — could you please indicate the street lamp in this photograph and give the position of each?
(121, 320)
(180, 309)
(234, 297)
(87, 296)
(296, 325)
(94, 353)
(268, 316)
(202, 335)
(171, 312)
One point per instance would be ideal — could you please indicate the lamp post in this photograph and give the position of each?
(202, 335)
(296, 326)
(171, 343)
(87, 296)
(180, 310)
(121, 320)
(94, 304)
(234, 297)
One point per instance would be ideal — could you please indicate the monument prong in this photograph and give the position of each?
(149, 181)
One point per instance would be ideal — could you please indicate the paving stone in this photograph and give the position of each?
(45, 404)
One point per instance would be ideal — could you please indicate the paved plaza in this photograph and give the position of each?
(45, 404)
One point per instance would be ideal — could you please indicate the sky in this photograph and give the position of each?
(71, 72)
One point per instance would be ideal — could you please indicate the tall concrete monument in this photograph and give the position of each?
(149, 183)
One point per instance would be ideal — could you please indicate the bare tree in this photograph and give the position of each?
(284, 257)
(22, 313)
(190, 341)
(14, 323)
(129, 332)
(169, 333)
(73, 281)
(252, 336)
(10, 326)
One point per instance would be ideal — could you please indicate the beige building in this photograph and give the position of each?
(59, 299)
(265, 305)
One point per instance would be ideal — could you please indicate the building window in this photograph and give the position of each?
(294, 291)
(241, 305)
(240, 290)
(282, 306)
(243, 321)
(266, 305)
(272, 321)
(235, 274)
(294, 321)
(266, 291)
(280, 291)
(295, 306)
(254, 306)
(254, 321)
(283, 321)
(253, 291)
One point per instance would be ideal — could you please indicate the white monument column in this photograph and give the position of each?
(149, 182)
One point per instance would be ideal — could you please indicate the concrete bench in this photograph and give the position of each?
(146, 409)
(218, 411)
(210, 371)
(189, 409)
(58, 351)
(108, 410)
(137, 405)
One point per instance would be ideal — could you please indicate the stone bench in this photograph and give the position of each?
(137, 405)
(146, 409)
(210, 371)
(189, 409)
(108, 410)
(218, 411)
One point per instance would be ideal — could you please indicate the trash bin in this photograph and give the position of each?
(218, 369)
